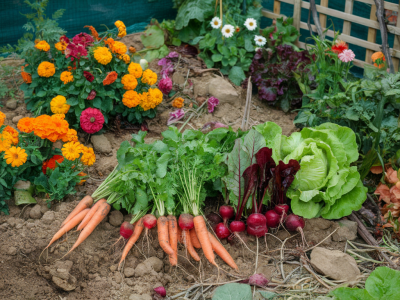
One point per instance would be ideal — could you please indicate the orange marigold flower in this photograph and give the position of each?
(5, 141)
(66, 77)
(121, 32)
(379, 59)
(131, 99)
(129, 81)
(110, 78)
(132, 49)
(15, 156)
(135, 69)
(88, 157)
(149, 77)
(93, 31)
(71, 136)
(13, 133)
(43, 46)
(118, 48)
(126, 58)
(25, 125)
(119, 24)
(46, 69)
(81, 174)
(26, 76)
(61, 46)
(2, 118)
(109, 42)
(178, 102)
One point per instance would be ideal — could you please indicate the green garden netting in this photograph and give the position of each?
(136, 14)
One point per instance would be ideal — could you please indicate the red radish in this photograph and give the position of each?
(226, 213)
(161, 291)
(296, 223)
(281, 209)
(149, 221)
(126, 230)
(222, 231)
(237, 226)
(273, 219)
(213, 219)
(186, 221)
(257, 225)
(258, 280)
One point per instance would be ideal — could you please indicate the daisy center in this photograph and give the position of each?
(228, 31)
(251, 23)
(215, 22)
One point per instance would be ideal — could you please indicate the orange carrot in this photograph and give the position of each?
(180, 238)
(173, 239)
(86, 202)
(194, 238)
(202, 234)
(163, 239)
(132, 240)
(221, 252)
(90, 214)
(100, 214)
(189, 246)
(67, 227)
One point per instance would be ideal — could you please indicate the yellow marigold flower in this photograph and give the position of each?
(2, 118)
(46, 69)
(119, 24)
(15, 156)
(149, 77)
(126, 58)
(377, 55)
(88, 157)
(129, 81)
(13, 133)
(43, 46)
(121, 32)
(72, 150)
(5, 141)
(102, 55)
(178, 102)
(58, 105)
(66, 77)
(25, 125)
(59, 116)
(135, 70)
(118, 48)
(154, 98)
(131, 99)
(71, 136)
(61, 46)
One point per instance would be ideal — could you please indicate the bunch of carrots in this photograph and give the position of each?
(191, 232)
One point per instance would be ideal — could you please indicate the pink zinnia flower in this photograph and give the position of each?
(175, 116)
(89, 76)
(212, 102)
(75, 51)
(346, 56)
(83, 39)
(165, 85)
(92, 120)
(91, 95)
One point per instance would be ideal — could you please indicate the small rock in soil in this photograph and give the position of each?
(142, 270)
(116, 218)
(155, 263)
(317, 224)
(101, 144)
(58, 145)
(16, 119)
(44, 209)
(35, 212)
(224, 91)
(139, 297)
(201, 86)
(11, 104)
(178, 78)
(66, 285)
(12, 251)
(48, 217)
(346, 231)
(334, 264)
(129, 272)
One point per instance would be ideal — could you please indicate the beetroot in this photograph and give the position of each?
(126, 230)
(295, 223)
(149, 221)
(258, 280)
(257, 225)
(213, 219)
(237, 226)
(281, 209)
(186, 221)
(161, 291)
(226, 212)
(222, 231)
(273, 219)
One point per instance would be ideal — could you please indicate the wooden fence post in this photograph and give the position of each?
(323, 17)
(371, 35)
(297, 15)
(347, 24)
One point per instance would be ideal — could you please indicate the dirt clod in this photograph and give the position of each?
(129, 272)
(36, 212)
(48, 217)
(116, 218)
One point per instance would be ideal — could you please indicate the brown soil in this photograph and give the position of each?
(92, 267)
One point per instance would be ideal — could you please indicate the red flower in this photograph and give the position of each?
(92, 120)
(89, 76)
(64, 39)
(83, 39)
(76, 51)
(51, 163)
(339, 47)
(91, 95)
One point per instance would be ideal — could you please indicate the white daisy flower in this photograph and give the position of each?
(228, 30)
(251, 24)
(216, 22)
(260, 40)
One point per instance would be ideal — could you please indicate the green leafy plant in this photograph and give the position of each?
(383, 283)
(281, 33)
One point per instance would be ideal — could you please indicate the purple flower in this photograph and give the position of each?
(172, 54)
(175, 116)
(212, 102)
(165, 85)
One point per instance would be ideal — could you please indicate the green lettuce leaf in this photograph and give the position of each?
(289, 143)
(272, 134)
